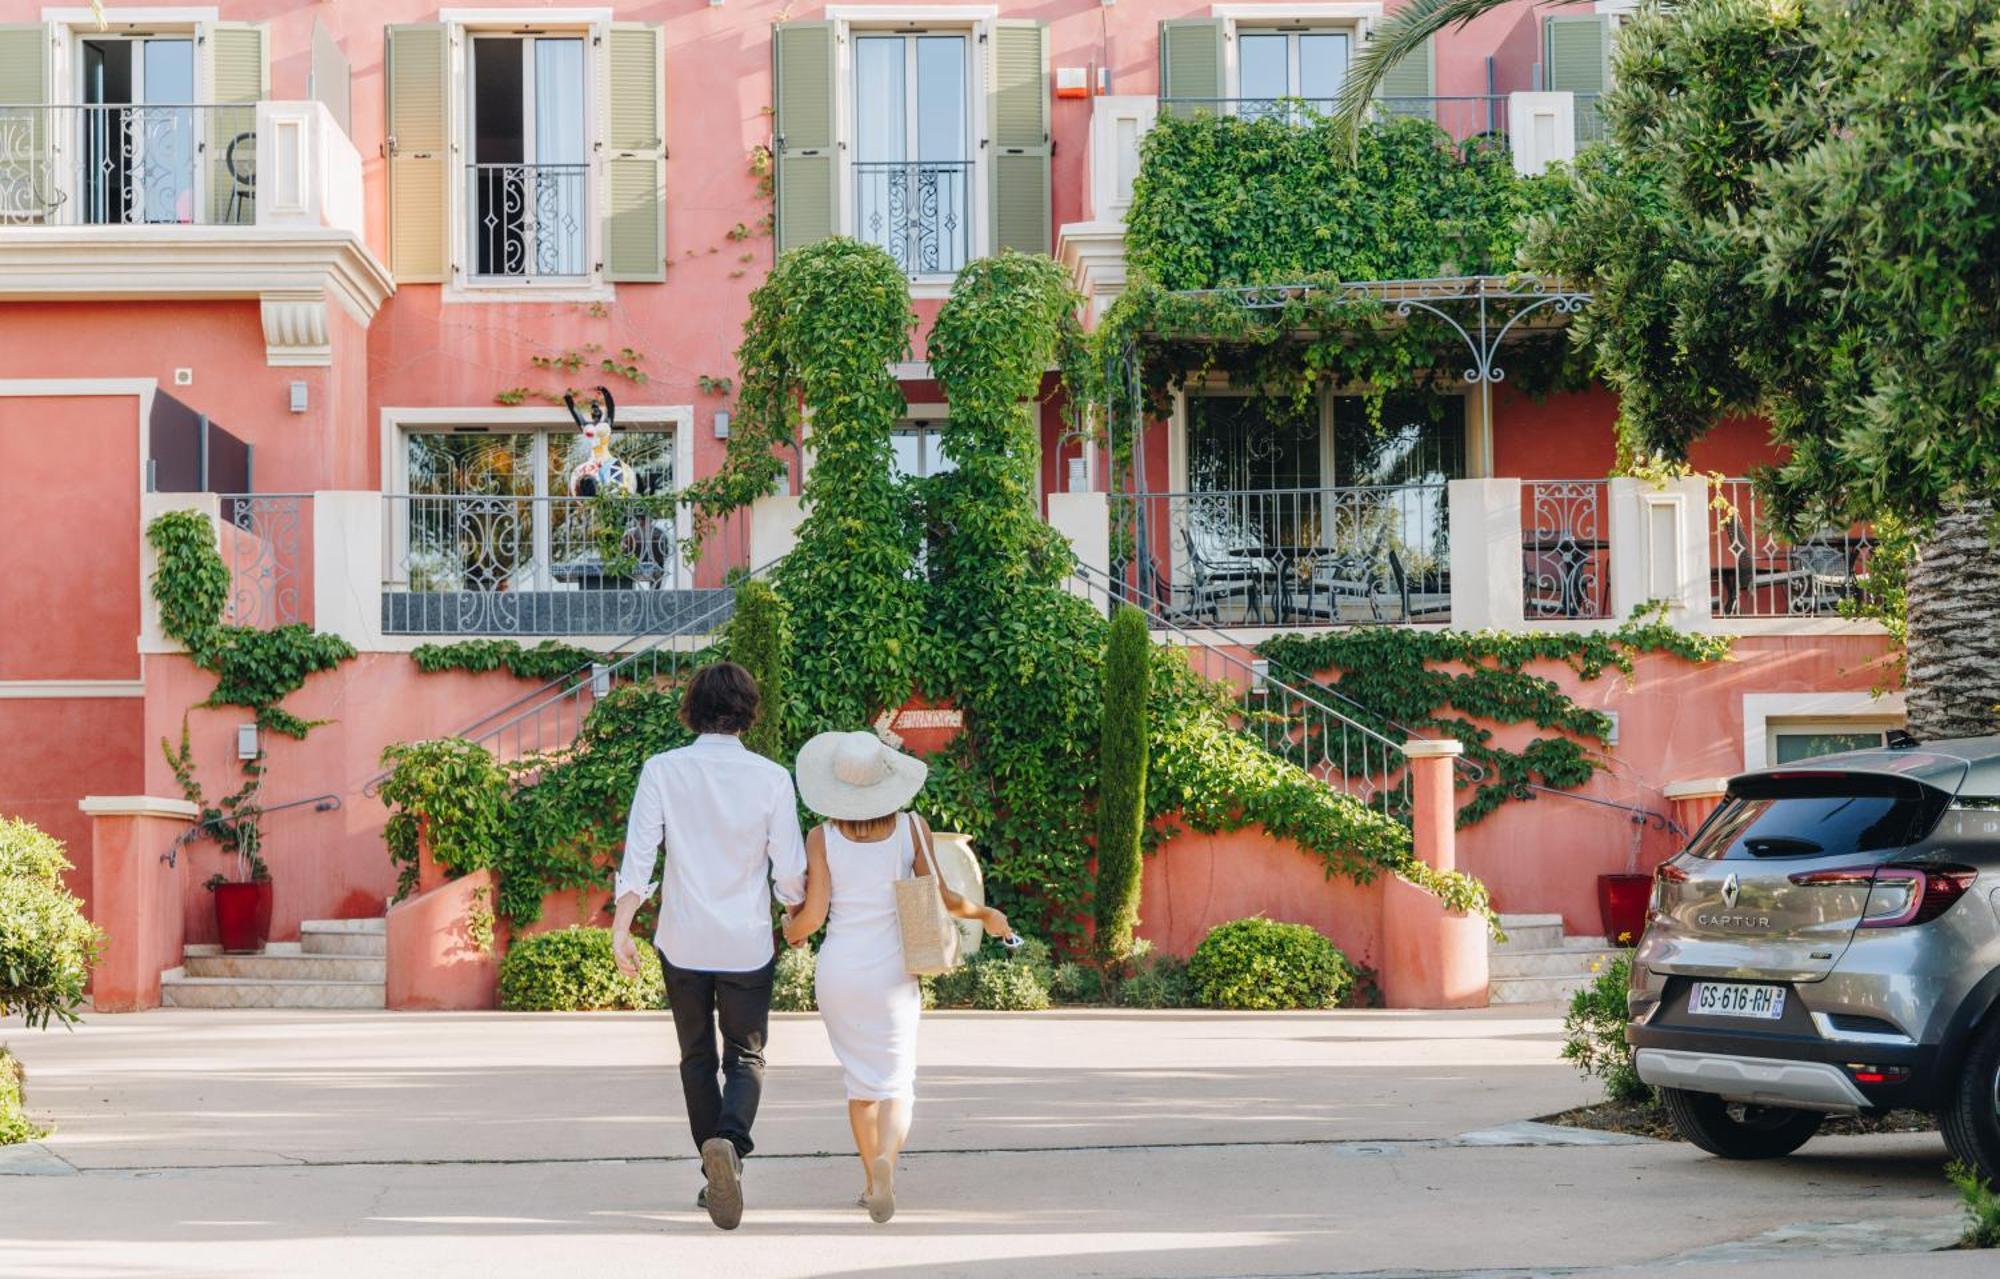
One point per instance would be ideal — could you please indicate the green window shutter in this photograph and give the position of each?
(1575, 55)
(1412, 78)
(635, 138)
(417, 111)
(239, 77)
(1191, 65)
(1017, 113)
(805, 166)
(24, 149)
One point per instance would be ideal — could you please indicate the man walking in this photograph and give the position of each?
(729, 821)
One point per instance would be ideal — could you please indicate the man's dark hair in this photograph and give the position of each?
(721, 698)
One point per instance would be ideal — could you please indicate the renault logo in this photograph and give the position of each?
(1730, 889)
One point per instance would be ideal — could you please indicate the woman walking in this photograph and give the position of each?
(867, 998)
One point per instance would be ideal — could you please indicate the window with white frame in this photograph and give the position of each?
(490, 509)
(918, 449)
(1306, 63)
(912, 156)
(1792, 740)
(527, 172)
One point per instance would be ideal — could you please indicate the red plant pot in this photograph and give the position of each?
(236, 918)
(263, 911)
(1621, 902)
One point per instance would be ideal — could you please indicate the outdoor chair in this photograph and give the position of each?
(1346, 575)
(1417, 605)
(1219, 573)
(242, 181)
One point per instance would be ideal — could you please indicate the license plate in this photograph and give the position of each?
(1734, 999)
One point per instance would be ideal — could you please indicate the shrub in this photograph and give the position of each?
(1076, 983)
(14, 1124)
(1258, 963)
(46, 945)
(1594, 1034)
(1154, 980)
(792, 981)
(759, 639)
(996, 980)
(1121, 794)
(1982, 1206)
(573, 971)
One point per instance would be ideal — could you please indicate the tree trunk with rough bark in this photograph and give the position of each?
(1954, 642)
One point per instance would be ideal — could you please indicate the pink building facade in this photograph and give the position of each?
(323, 271)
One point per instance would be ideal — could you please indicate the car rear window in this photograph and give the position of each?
(1818, 819)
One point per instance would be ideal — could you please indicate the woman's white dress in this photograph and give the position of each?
(867, 999)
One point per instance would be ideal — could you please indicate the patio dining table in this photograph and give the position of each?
(1294, 562)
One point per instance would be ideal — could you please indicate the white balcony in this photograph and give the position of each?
(258, 201)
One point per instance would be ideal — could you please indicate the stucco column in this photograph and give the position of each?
(1431, 957)
(1085, 520)
(1486, 591)
(348, 566)
(774, 528)
(136, 897)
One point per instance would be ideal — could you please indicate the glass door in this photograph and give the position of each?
(1273, 66)
(912, 157)
(529, 169)
(137, 121)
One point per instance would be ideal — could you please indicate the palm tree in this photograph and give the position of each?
(1402, 33)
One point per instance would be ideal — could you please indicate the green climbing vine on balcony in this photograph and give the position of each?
(1457, 683)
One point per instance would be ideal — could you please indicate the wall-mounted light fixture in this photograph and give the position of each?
(246, 741)
(298, 397)
(722, 424)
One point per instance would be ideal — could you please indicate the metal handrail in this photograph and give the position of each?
(1158, 612)
(321, 804)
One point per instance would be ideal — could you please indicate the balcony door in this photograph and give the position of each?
(912, 154)
(529, 170)
(1306, 65)
(138, 133)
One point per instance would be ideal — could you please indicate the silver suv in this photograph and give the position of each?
(1829, 943)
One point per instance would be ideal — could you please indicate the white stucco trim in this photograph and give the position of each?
(66, 689)
(136, 806)
(1759, 709)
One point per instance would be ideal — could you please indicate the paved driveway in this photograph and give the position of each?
(352, 1144)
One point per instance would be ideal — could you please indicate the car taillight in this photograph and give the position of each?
(1668, 873)
(1899, 896)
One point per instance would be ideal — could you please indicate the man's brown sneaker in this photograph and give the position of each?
(724, 1169)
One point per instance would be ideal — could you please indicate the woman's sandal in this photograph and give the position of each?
(881, 1199)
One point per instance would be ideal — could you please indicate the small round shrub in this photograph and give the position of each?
(46, 944)
(572, 971)
(1594, 1034)
(14, 1124)
(1005, 987)
(792, 981)
(1155, 981)
(1076, 983)
(1259, 964)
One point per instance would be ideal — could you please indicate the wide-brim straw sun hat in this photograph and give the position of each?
(856, 777)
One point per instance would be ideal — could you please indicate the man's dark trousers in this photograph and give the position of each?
(739, 1004)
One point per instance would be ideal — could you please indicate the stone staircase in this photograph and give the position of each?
(336, 963)
(1537, 964)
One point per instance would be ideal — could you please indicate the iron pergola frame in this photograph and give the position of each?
(1483, 311)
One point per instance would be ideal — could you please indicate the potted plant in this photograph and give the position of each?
(243, 904)
(1622, 899)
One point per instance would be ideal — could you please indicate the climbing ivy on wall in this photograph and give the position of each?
(1414, 680)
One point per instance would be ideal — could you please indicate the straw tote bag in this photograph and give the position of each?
(931, 941)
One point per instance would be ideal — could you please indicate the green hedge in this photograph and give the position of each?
(792, 981)
(572, 971)
(1261, 964)
(995, 981)
(1594, 1034)
(46, 945)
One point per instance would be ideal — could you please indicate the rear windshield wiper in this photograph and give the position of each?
(1781, 846)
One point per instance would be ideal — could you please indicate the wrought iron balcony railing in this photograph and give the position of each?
(1565, 549)
(267, 546)
(502, 565)
(1757, 571)
(1286, 557)
(529, 221)
(920, 212)
(173, 163)
(1466, 117)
